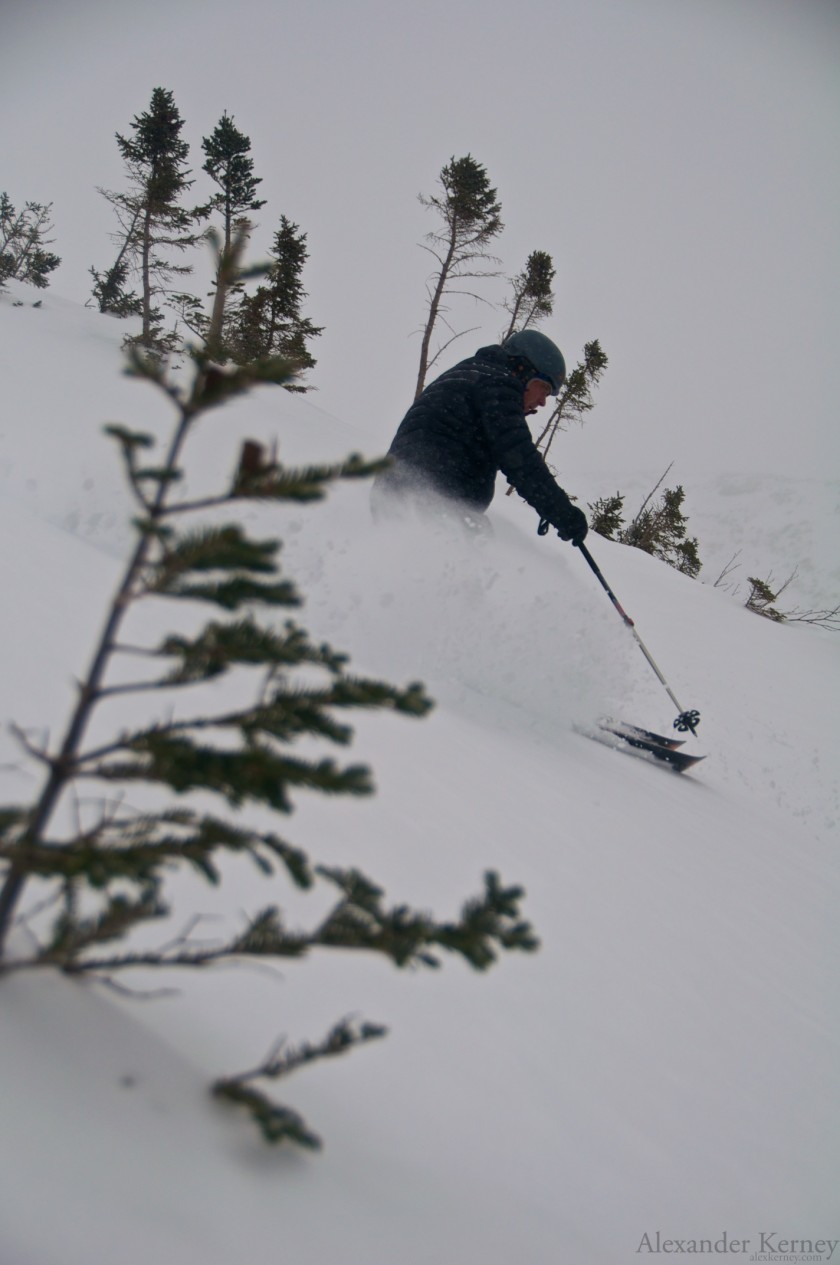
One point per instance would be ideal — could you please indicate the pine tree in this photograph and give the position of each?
(659, 529)
(532, 296)
(575, 399)
(153, 222)
(606, 516)
(230, 167)
(106, 867)
(269, 322)
(470, 215)
(761, 598)
(23, 243)
(764, 593)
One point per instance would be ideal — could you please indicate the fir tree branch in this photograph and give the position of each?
(359, 921)
(255, 773)
(276, 1122)
(140, 687)
(39, 753)
(290, 714)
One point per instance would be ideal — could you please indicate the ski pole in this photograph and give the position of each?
(687, 720)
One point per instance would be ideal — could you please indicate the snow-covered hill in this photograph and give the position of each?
(666, 1062)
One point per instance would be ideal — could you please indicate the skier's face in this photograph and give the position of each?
(536, 393)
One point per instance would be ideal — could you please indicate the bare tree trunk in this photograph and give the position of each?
(434, 308)
(513, 318)
(146, 261)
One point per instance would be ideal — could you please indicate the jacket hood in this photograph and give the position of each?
(494, 354)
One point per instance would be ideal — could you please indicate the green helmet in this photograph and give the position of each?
(540, 352)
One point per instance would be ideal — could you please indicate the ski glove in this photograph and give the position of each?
(575, 526)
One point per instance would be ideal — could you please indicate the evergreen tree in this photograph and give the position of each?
(470, 215)
(229, 166)
(23, 243)
(575, 399)
(606, 517)
(659, 529)
(153, 222)
(764, 593)
(269, 322)
(532, 296)
(761, 597)
(106, 867)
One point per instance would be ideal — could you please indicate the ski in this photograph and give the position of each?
(622, 737)
(622, 729)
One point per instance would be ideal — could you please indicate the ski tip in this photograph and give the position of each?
(644, 743)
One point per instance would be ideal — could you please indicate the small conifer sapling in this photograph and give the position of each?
(24, 241)
(250, 747)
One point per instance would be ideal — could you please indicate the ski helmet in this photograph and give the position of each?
(542, 355)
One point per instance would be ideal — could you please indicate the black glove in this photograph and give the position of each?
(574, 526)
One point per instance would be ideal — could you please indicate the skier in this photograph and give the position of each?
(468, 425)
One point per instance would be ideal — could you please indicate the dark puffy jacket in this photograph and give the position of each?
(463, 429)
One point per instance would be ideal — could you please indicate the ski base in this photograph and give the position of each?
(621, 736)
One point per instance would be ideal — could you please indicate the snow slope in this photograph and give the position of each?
(667, 1061)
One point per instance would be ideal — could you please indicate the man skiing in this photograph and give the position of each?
(468, 425)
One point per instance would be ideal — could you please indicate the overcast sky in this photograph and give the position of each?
(677, 158)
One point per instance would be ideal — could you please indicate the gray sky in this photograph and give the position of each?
(677, 158)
